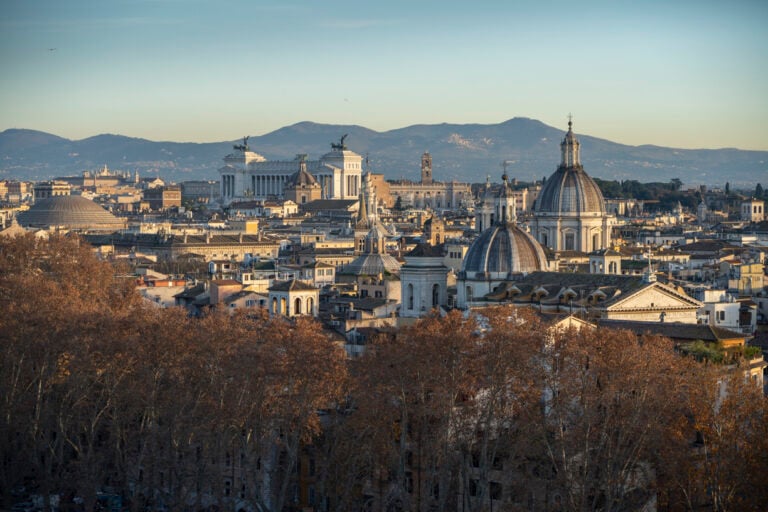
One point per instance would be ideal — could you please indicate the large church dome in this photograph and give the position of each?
(504, 248)
(570, 191)
(72, 212)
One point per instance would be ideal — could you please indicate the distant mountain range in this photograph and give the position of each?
(465, 152)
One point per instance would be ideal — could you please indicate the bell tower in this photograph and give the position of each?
(426, 169)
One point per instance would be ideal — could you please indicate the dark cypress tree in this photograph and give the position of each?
(759, 192)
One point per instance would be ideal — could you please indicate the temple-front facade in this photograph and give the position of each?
(247, 175)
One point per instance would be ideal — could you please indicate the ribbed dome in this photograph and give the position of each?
(570, 191)
(73, 212)
(371, 265)
(504, 248)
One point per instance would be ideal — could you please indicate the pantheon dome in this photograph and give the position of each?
(71, 212)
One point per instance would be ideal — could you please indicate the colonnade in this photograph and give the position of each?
(263, 186)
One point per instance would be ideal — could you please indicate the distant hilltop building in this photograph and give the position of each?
(569, 213)
(248, 175)
(101, 179)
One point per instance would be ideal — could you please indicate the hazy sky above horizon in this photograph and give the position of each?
(682, 73)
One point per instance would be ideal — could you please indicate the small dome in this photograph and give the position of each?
(73, 212)
(371, 265)
(505, 248)
(302, 179)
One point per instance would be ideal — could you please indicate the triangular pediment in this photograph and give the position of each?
(655, 296)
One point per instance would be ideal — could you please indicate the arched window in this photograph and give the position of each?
(274, 306)
(283, 306)
(469, 294)
(310, 306)
(297, 306)
(595, 242)
(410, 296)
(435, 295)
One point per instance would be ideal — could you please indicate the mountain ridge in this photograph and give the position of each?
(465, 152)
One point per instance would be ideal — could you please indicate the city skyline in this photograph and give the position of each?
(688, 75)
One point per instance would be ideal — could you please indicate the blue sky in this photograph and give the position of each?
(678, 73)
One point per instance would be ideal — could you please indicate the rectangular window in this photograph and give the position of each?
(495, 489)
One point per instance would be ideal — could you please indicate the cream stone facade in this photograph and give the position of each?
(293, 298)
(424, 281)
(51, 189)
(655, 302)
(248, 175)
(753, 210)
(605, 261)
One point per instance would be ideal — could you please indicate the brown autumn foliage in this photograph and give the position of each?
(461, 412)
(500, 406)
(97, 391)
(723, 469)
